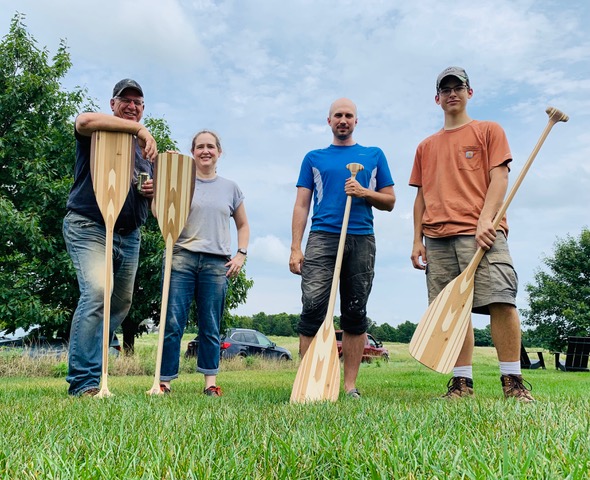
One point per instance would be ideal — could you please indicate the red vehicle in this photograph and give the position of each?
(374, 349)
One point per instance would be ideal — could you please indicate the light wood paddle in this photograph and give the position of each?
(318, 376)
(112, 160)
(439, 337)
(174, 182)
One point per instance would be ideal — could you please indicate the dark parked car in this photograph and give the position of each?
(373, 348)
(243, 342)
(34, 342)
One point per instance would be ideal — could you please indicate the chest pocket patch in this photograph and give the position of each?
(469, 157)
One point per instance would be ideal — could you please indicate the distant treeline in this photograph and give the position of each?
(285, 325)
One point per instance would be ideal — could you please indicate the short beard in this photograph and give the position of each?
(343, 136)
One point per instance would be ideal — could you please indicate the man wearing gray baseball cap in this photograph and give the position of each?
(461, 173)
(85, 235)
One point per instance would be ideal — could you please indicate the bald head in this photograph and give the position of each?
(342, 102)
(342, 119)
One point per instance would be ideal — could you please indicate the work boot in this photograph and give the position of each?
(459, 387)
(513, 386)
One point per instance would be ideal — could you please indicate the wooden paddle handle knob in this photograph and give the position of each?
(354, 168)
(556, 115)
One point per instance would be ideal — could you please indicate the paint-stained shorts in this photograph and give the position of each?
(495, 279)
(356, 281)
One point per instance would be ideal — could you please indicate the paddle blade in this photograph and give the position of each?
(174, 183)
(112, 161)
(438, 339)
(318, 377)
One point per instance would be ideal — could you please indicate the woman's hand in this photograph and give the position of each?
(235, 265)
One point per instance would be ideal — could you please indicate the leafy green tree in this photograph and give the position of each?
(37, 281)
(559, 300)
(384, 332)
(405, 331)
(483, 336)
(37, 149)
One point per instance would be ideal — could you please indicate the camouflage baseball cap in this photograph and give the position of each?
(457, 72)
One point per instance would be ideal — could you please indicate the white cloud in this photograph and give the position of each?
(270, 249)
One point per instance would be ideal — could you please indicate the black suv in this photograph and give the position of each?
(243, 342)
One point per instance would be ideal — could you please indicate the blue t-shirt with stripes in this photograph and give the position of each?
(324, 172)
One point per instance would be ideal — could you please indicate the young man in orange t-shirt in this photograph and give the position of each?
(461, 173)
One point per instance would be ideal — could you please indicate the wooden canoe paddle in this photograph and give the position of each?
(112, 160)
(318, 376)
(439, 337)
(174, 182)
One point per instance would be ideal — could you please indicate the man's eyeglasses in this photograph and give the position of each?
(129, 101)
(459, 89)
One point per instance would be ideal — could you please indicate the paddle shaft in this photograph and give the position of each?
(163, 312)
(554, 117)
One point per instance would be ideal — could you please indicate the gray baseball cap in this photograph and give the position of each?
(457, 72)
(126, 83)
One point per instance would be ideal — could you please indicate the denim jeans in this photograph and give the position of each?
(356, 281)
(203, 277)
(85, 241)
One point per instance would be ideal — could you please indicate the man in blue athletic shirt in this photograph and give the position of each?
(325, 177)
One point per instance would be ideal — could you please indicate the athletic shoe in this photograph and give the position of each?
(459, 387)
(513, 386)
(164, 388)
(213, 391)
(354, 393)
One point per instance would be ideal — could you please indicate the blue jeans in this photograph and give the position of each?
(85, 241)
(356, 281)
(203, 277)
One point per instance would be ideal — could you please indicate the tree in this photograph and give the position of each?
(483, 336)
(405, 331)
(559, 300)
(37, 280)
(37, 149)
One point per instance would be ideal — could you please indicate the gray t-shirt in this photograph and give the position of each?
(207, 227)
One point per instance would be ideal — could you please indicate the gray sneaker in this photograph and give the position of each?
(459, 387)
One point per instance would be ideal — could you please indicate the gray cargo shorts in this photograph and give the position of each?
(496, 280)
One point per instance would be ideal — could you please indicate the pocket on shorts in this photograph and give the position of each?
(502, 274)
(469, 157)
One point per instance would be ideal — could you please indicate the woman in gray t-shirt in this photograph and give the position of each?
(202, 264)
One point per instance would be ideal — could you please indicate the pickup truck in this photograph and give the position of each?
(374, 349)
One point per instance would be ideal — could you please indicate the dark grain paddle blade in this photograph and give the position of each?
(112, 161)
(174, 186)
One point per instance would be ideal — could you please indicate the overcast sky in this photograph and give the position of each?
(262, 73)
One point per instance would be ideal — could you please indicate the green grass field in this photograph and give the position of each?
(397, 430)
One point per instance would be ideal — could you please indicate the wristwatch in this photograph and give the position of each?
(243, 251)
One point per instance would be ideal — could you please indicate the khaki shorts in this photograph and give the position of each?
(495, 278)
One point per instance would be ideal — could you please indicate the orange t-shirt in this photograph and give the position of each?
(453, 168)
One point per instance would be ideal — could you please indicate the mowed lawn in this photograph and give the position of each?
(399, 429)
